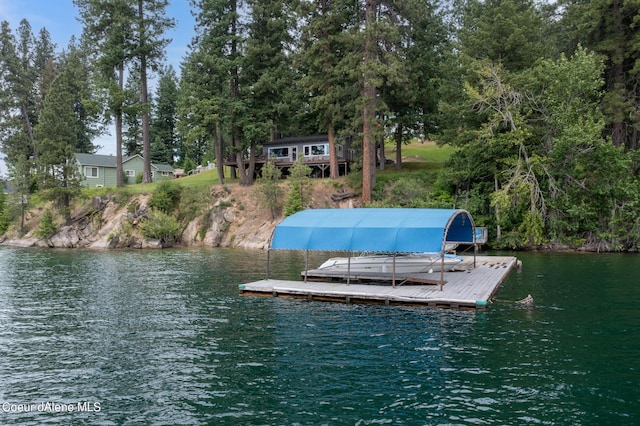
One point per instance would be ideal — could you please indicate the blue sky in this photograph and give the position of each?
(59, 17)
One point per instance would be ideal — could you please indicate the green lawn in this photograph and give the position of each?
(425, 152)
(417, 157)
(205, 178)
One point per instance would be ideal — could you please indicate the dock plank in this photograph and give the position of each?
(471, 288)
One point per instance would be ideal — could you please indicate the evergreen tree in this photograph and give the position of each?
(57, 138)
(299, 191)
(270, 192)
(413, 101)
(609, 27)
(132, 117)
(326, 61)
(210, 105)
(150, 25)
(108, 30)
(506, 32)
(87, 106)
(27, 66)
(369, 99)
(163, 126)
(383, 55)
(268, 74)
(4, 212)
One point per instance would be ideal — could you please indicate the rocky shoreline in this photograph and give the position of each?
(234, 219)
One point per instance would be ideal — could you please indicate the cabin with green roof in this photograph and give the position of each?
(98, 171)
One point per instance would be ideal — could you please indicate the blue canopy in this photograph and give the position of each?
(374, 229)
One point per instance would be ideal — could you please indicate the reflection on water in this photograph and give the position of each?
(163, 337)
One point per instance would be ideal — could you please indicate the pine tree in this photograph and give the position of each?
(609, 27)
(413, 101)
(150, 25)
(132, 116)
(108, 30)
(210, 106)
(163, 124)
(268, 71)
(327, 44)
(57, 138)
(27, 66)
(87, 105)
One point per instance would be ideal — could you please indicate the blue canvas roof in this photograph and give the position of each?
(374, 229)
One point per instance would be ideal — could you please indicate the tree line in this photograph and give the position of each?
(539, 98)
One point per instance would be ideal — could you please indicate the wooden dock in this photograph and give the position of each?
(465, 288)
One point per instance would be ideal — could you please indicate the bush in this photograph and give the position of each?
(300, 190)
(269, 192)
(4, 215)
(293, 203)
(161, 226)
(47, 226)
(166, 196)
(408, 193)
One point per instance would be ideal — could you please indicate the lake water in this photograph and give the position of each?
(163, 337)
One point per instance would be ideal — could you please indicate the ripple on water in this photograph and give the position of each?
(164, 338)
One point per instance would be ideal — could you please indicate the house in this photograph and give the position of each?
(100, 170)
(314, 150)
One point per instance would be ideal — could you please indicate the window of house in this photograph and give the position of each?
(322, 149)
(279, 152)
(130, 173)
(91, 172)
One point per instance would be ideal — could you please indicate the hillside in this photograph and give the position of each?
(225, 215)
(230, 217)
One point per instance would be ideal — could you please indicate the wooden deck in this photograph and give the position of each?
(467, 288)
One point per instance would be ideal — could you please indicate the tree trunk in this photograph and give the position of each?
(498, 228)
(29, 131)
(217, 137)
(118, 114)
(383, 157)
(333, 155)
(399, 147)
(368, 111)
(144, 100)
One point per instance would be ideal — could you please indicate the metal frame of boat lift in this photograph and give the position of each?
(393, 230)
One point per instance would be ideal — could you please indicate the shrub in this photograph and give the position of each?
(300, 191)
(4, 215)
(121, 196)
(166, 196)
(269, 192)
(293, 203)
(161, 226)
(47, 226)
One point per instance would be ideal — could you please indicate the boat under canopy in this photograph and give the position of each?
(388, 230)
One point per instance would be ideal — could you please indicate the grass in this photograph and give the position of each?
(417, 157)
(203, 179)
(423, 152)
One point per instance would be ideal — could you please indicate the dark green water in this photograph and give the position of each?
(163, 337)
